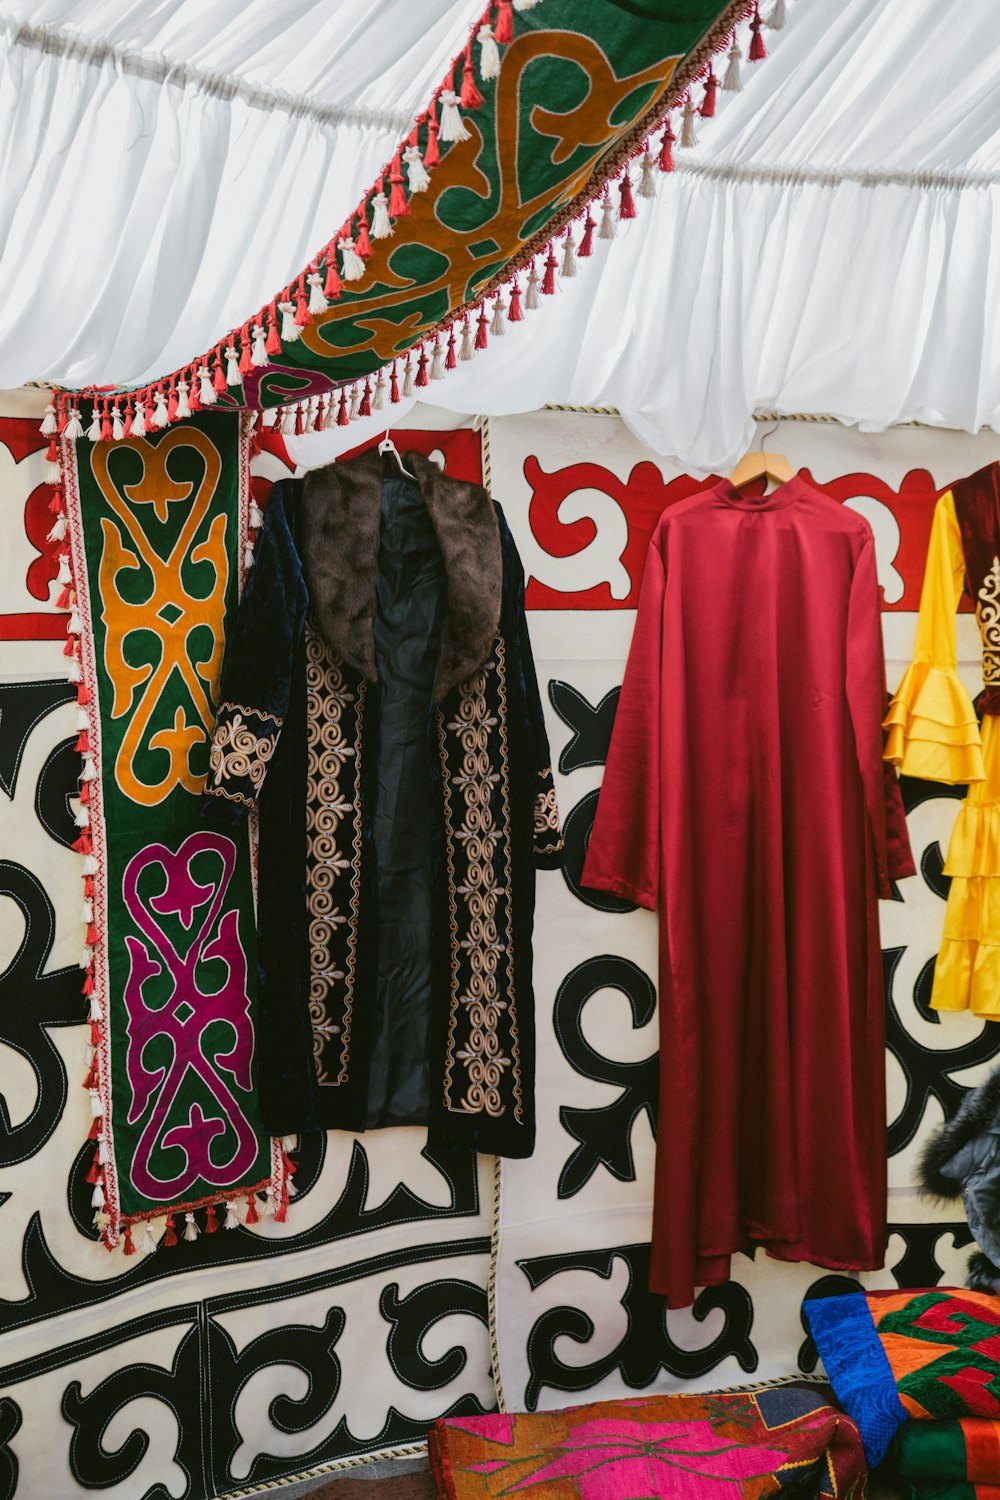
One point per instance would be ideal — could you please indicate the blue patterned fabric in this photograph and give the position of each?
(857, 1368)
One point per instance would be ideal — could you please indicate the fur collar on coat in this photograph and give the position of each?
(341, 518)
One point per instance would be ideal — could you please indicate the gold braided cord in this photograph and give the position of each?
(491, 1290)
(487, 455)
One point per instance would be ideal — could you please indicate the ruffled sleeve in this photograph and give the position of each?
(931, 728)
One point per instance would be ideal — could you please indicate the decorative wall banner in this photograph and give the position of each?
(574, 1319)
(157, 532)
(234, 1358)
(542, 109)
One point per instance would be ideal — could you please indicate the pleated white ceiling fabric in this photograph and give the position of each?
(825, 247)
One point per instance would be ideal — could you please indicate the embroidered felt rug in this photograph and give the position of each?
(963, 1454)
(922, 1354)
(782, 1440)
(157, 531)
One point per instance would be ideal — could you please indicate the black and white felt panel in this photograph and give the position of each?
(574, 1318)
(247, 1355)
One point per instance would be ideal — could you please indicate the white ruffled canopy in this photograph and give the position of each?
(827, 247)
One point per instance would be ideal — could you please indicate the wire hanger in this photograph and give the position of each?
(762, 465)
(388, 446)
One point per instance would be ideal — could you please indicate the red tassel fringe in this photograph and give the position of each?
(626, 205)
(503, 26)
(470, 97)
(398, 206)
(757, 49)
(667, 148)
(273, 344)
(549, 279)
(432, 154)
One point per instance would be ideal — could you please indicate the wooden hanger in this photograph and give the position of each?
(762, 465)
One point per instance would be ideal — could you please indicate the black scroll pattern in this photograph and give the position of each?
(646, 1348)
(605, 1134)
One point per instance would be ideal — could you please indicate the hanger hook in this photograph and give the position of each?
(769, 433)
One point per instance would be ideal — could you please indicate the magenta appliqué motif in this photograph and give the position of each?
(615, 1459)
(168, 1061)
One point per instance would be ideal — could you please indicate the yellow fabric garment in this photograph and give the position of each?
(932, 733)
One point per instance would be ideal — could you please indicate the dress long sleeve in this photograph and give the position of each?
(932, 728)
(256, 672)
(866, 699)
(624, 852)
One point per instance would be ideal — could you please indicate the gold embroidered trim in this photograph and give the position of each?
(483, 1058)
(329, 802)
(547, 834)
(238, 751)
(220, 791)
(988, 615)
(227, 705)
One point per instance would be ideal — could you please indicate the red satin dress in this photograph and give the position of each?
(745, 798)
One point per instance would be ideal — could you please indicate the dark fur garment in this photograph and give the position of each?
(942, 1178)
(977, 1114)
(341, 518)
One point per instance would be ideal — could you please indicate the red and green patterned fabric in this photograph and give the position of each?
(781, 1440)
(960, 1458)
(926, 1354)
(157, 530)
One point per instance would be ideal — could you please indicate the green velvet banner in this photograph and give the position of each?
(155, 529)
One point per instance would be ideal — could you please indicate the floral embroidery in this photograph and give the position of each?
(548, 839)
(333, 875)
(240, 751)
(481, 961)
(988, 615)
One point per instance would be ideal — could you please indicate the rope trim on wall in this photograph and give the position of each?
(758, 416)
(362, 1460)
(833, 177)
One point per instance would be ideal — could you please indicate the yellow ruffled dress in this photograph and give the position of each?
(933, 733)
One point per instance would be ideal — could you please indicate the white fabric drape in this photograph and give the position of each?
(826, 247)
(141, 219)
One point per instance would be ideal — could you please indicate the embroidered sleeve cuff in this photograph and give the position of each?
(548, 841)
(243, 743)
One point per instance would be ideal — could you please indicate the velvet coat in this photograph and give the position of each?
(379, 707)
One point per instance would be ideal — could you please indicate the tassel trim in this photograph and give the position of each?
(443, 125)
